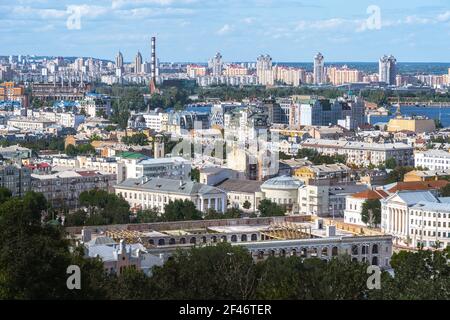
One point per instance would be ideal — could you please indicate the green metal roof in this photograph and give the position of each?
(132, 155)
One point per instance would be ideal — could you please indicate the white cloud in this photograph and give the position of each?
(248, 20)
(329, 24)
(444, 17)
(225, 30)
(120, 4)
(26, 11)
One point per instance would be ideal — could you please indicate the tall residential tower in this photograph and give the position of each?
(319, 69)
(388, 70)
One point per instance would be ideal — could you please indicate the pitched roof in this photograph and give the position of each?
(418, 185)
(168, 186)
(246, 186)
(371, 195)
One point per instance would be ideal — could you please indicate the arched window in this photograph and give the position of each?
(303, 252)
(375, 249)
(161, 242)
(182, 240)
(354, 259)
(294, 253)
(193, 240)
(233, 238)
(365, 249)
(334, 251)
(244, 238)
(272, 253)
(375, 261)
(254, 237)
(314, 253)
(172, 241)
(224, 238)
(214, 239)
(355, 250)
(151, 241)
(204, 239)
(282, 253)
(324, 252)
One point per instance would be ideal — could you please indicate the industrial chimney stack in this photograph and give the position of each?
(153, 71)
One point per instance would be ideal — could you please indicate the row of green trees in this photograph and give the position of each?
(79, 150)
(137, 139)
(317, 158)
(49, 143)
(103, 208)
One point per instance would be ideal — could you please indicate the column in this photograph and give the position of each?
(209, 203)
(201, 205)
(216, 204)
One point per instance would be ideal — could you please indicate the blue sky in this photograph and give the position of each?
(193, 30)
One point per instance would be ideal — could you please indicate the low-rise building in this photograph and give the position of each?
(96, 105)
(414, 124)
(242, 192)
(283, 191)
(433, 160)
(429, 175)
(28, 124)
(62, 189)
(171, 168)
(298, 236)
(15, 153)
(150, 193)
(335, 173)
(15, 178)
(417, 218)
(354, 204)
(363, 153)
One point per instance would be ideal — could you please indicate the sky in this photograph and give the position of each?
(194, 30)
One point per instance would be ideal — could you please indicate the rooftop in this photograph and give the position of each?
(246, 186)
(169, 186)
(371, 195)
(283, 182)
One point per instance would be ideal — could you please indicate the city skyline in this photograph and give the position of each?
(194, 30)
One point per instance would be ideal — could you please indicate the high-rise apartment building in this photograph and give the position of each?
(289, 76)
(264, 70)
(216, 65)
(119, 60)
(339, 76)
(388, 70)
(138, 63)
(319, 69)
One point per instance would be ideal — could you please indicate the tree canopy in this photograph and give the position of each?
(268, 208)
(371, 212)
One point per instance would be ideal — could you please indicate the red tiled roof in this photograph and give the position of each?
(87, 173)
(418, 185)
(371, 194)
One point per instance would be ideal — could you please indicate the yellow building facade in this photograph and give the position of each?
(411, 124)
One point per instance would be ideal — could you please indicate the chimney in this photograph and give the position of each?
(122, 247)
(85, 235)
(331, 231)
(319, 224)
